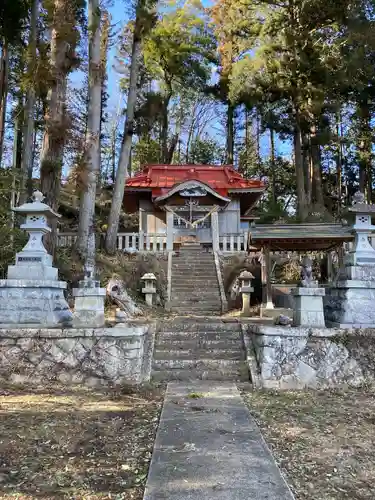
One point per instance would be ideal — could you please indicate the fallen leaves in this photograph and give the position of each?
(324, 441)
(78, 443)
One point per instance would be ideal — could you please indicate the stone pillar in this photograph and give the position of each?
(215, 231)
(329, 267)
(169, 219)
(89, 304)
(268, 269)
(308, 309)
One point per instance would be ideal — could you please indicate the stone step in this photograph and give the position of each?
(195, 276)
(196, 311)
(198, 354)
(203, 326)
(180, 284)
(190, 375)
(199, 342)
(195, 291)
(205, 300)
(189, 296)
(197, 273)
(193, 255)
(192, 249)
(202, 363)
(193, 339)
(193, 263)
(197, 285)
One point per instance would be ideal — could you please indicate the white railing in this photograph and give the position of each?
(233, 243)
(66, 239)
(127, 241)
(150, 242)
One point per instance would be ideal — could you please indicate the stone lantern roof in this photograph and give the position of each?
(36, 206)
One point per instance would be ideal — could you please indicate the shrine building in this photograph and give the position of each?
(202, 203)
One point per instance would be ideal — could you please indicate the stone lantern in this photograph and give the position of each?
(34, 262)
(363, 253)
(351, 300)
(246, 289)
(32, 294)
(149, 288)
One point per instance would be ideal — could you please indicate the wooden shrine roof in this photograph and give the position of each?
(299, 237)
(223, 179)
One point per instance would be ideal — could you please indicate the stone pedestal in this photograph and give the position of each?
(149, 294)
(33, 303)
(308, 310)
(351, 301)
(32, 294)
(246, 296)
(89, 304)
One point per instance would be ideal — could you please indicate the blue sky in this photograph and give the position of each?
(121, 13)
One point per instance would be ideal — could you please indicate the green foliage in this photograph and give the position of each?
(206, 151)
(179, 49)
(145, 151)
(13, 17)
(12, 238)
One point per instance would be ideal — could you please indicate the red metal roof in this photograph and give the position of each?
(161, 178)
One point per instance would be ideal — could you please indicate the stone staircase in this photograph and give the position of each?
(195, 288)
(199, 349)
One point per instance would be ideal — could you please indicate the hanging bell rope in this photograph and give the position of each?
(194, 224)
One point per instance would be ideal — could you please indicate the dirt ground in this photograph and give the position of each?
(76, 443)
(324, 442)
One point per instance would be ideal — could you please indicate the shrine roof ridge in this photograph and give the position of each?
(223, 177)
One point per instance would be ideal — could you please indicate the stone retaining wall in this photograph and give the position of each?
(118, 355)
(297, 358)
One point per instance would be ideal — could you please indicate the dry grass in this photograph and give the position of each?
(76, 444)
(324, 442)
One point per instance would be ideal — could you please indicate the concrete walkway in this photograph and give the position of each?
(208, 447)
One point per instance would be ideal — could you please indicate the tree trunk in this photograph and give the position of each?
(28, 133)
(123, 165)
(339, 161)
(257, 133)
(190, 133)
(17, 144)
(104, 45)
(4, 74)
(273, 165)
(246, 129)
(364, 147)
(51, 158)
(230, 134)
(165, 125)
(172, 148)
(317, 184)
(298, 160)
(307, 167)
(86, 231)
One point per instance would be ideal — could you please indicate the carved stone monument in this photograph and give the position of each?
(32, 294)
(308, 309)
(350, 302)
